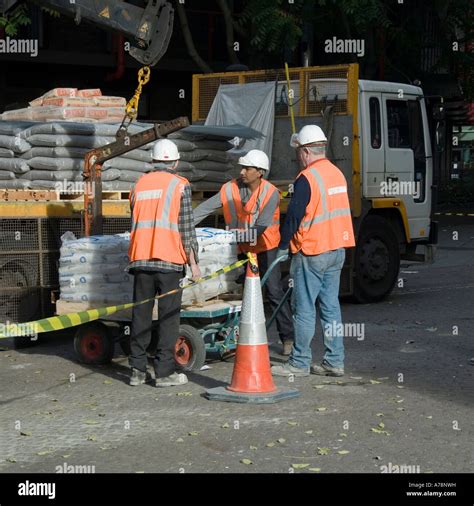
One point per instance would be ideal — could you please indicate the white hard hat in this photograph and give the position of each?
(309, 134)
(255, 158)
(165, 150)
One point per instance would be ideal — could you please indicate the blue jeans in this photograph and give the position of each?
(316, 278)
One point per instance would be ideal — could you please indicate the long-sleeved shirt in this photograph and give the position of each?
(264, 218)
(187, 233)
(296, 211)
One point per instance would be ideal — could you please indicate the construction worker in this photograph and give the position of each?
(317, 228)
(251, 207)
(162, 241)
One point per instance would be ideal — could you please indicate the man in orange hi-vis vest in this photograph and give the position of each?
(162, 241)
(317, 228)
(251, 207)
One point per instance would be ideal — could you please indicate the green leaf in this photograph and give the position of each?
(299, 466)
(270, 445)
(24, 433)
(293, 423)
(193, 433)
(247, 462)
(281, 440)
(315, 469)
(225, 426)
(343, 452)
(323, 451)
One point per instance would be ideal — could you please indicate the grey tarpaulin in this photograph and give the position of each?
(251, 104)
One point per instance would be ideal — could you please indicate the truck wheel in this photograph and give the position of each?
(93, 344)
(190, 350)
(377, 260)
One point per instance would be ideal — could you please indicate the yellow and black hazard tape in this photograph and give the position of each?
(74, 319)
(454, 214)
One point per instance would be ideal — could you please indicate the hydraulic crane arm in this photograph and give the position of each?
(148, 29)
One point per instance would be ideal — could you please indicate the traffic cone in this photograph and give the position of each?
(252, 380)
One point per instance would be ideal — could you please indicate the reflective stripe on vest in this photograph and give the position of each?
(165, 217)
(327, 224)
(156, 203)
(239, 216)
(326, 215)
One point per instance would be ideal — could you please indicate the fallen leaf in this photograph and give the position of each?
(193, 433)
(409, 342)
(180, 440)
(139, 472)
(293, 423)
(53, 400)
(382, 425)
(65, 456)
(315, 469)
(318, 386)
(184, 394)
(379, 414)
(299, 466)
(375, 382)
(343, 452)
(254, 447)
(308, 431)
(355, 377)
(225, 426)
(432, 329)
(271, 445)
(343, 434)
(246, 462)
(401, 409)
(91, 438)
(44, 452)
(23, 433)
(108, 382)
(100, 414)
(281, 440)
(400, 401)
(90, 422)
(11, 459)
(430, 417)
(321, 409)
(400, 386)
(380, 431)
(104, 448)
(382, 379)
(323, 451)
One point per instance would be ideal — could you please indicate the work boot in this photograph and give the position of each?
(138, 377)
(288, 370)
(327, 370)
(172, 380)
(286, 348)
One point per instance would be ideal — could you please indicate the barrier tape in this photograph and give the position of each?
(74, 319)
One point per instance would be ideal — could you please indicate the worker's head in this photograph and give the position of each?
(310, 143)
(255, 165)
(165, 152)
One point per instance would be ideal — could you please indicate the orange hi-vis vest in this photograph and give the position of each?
(239, 216)
(327, 223)
(156, 202)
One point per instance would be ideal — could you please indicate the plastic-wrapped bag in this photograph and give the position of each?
(103, 243)
(16, 165)
(15, 143)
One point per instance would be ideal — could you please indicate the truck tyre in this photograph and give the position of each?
(377, 260)
(190, 350)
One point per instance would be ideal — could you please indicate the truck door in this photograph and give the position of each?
(372, 143)
(407, 151)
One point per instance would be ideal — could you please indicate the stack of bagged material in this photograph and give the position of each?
(217, 249)
(207, 157)
(92, 269)
(73, 105)
(47, 155)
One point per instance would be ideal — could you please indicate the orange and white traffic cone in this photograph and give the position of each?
(252, 379)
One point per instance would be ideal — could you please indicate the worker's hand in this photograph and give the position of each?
(281, 253)
(195, 271)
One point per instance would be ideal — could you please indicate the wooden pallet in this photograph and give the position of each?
(27, 195)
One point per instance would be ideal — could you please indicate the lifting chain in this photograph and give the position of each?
(131, 109)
